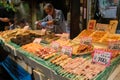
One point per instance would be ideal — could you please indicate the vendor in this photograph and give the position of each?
(4, 18)
(54, 20)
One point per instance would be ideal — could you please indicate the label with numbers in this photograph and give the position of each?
(65, 36)
(55, 45)
(86, 40)
(112, 26)
(115, 45)
(67, 50)
(37, 40)
(102, 57)
(101, 27)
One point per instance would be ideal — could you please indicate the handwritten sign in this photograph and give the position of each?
(86, 40)
(102, 57)
(102, 27)
(115, 45)
(65, 36)
(112, 26)
(67, 50)
(91, 24)
(37, 40)
(55, 45)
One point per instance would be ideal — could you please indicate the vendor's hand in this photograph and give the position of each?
(4, 19)
(38, 23)
(0, 18)
(50, 22)
(43, 24)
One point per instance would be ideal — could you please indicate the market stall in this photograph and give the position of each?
(93, 54)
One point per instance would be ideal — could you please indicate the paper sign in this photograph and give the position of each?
(37, 40)
(91, 24)
(55, 45)
(86, 40)
(102, 27)
(115, 45)
(102, 57)
(112, 26)
(65, 36)
(67, 50)
(26, 28)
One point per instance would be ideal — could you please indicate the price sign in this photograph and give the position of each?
(102, 57)
(112, 26)
(115, 45)
(55, 45)
(102, 27)
(67, 50)
(37, 40)
(86, 40)
(65, 36)
(91, 24)
(26, 28)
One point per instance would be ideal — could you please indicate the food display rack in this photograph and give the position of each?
(32, 61)
(40, 64)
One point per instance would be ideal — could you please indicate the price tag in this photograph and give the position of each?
(65, 36)
(11, 49)
(55, 45)
(91, 24)
(37, 40)
(14, 51)
(112, 26)
(102, 27)
(115, 45)
(67, 50)
(102, 57)
(26, 28)
(86, 40)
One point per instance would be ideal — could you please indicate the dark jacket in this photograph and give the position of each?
(5, 14)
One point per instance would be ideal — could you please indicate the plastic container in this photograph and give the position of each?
(15, 70)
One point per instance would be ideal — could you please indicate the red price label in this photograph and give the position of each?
(37, 40)
(86, 40)
(102, 57)
(55, 45)
(67, 50)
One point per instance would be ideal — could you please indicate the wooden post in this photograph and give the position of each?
(84, 14)
(75, 18)
(33, 13)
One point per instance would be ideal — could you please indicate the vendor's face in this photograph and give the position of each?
(49, 11)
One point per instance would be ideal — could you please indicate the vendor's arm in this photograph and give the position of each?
(44, 19)
(59, 18)
(4, 19)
